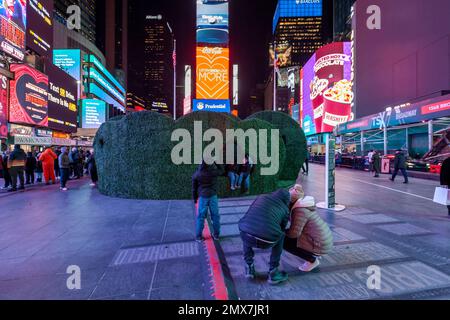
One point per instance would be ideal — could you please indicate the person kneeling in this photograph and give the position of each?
(308, 237)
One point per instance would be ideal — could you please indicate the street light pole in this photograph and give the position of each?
(275, 76)
(174, 79)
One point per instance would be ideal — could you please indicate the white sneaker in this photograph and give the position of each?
(92, 184)
(63, 189)
(308, 266)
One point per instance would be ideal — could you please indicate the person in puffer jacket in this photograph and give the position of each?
(308, 237)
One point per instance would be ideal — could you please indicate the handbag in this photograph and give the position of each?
(442, 196)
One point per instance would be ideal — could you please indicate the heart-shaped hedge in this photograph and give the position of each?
(133, 154)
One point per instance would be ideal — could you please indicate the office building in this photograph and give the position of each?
(88, 19)
(301, 27)
(342, 22)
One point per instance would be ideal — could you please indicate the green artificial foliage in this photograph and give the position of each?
(133, 155)
(294, 139)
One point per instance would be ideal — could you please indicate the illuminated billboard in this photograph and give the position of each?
(62, 100)
(28, 96)
(3, 106)
(283, 55)
(13, 16)
(68, 60)
(235, 84)
(40, 26)
(212, 105)
(212, 22)
(213, 73)
(187, 102)
(93, 113)
(297, 8)
(327, 89)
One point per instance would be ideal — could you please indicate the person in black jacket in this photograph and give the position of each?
(30, 168)
(263, 227)
(204, 191)
(6, 174)
(400, 165)
(445, 176)
(92, 168)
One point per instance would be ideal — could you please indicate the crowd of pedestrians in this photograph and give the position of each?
(54, 164)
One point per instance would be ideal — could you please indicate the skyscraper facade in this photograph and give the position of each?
(88, 15)
(342, 23)
(157, 68)
(300, 25)
(112, 35)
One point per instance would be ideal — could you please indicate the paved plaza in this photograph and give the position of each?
(133, 249)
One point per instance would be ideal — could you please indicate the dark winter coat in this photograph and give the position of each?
(204, 181)
(31, 164)
(400, 161)
(17, 158)
(376, 162)
(445, 173)
(268, 216)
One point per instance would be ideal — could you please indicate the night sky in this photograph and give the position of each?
(250, 33)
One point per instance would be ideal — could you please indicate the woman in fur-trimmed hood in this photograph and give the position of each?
(308, 237)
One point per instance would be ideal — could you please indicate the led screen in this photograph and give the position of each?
(28, 96)
(13, 16)
(213, 73)
(93, 113)
(62, 100)
(3, 106)
(327, 90)
(40, 26)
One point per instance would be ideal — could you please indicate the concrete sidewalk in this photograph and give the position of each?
(411, 248)
(126, 249)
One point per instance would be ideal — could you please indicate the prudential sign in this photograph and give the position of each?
(212, 105)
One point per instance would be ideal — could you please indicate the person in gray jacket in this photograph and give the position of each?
(64, 167)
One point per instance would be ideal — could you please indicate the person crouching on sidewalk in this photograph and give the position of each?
(308, 237)
(263, 227)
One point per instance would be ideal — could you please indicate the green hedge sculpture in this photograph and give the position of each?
(133, 156)
(294, 139)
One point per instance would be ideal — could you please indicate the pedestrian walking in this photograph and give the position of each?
(370, 156)
(64, 167)
(56, 164)
(309, 237)
(5, 171)
(305, 167)
(400, 165)
(204, 191)
(39, 169)
(263, 227)
(376, 160)
(92, 168)
(445, 177)
(48, 165)
(30, 168)
(74, 158)
(16, 164)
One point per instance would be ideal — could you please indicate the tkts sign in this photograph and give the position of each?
(213, 73)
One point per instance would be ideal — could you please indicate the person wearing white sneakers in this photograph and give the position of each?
(308, 237)
(64, 167)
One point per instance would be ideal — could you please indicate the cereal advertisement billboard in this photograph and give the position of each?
(327, 91)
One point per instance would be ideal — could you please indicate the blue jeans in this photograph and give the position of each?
(233, 179)
(204, 204)
(246, 178)
(64, 176)
(250, 242)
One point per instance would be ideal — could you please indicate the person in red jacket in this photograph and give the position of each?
(48, 165)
